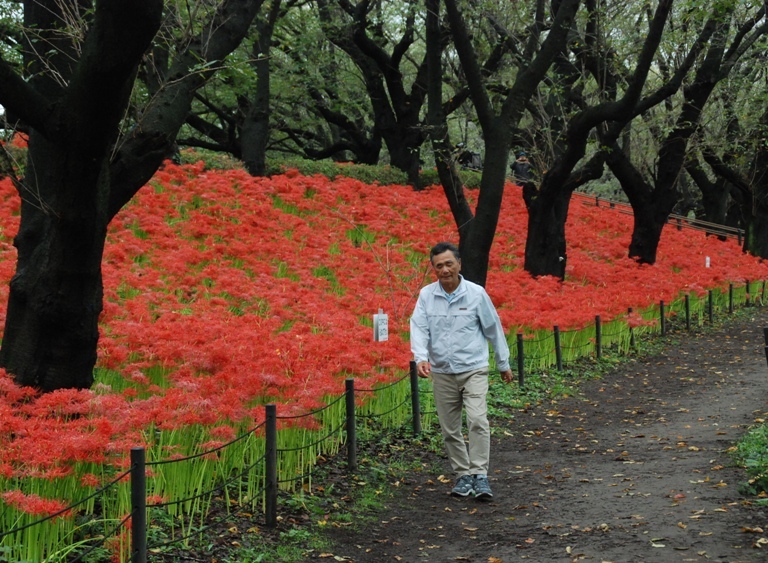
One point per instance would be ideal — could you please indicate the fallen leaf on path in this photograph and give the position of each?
(755, 530)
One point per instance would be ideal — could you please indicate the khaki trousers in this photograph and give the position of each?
(468, 391)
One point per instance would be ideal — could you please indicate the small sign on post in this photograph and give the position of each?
(380, 327)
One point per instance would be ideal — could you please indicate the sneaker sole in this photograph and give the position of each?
(462, 495)
(483, 496)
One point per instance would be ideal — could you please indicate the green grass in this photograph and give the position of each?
(751, 453)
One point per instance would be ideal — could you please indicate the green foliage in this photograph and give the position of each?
(213, 160)
(13, 160)
(361, 235)
(751, 452)
(368, 174)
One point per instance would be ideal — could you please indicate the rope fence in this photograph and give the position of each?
(265, 465)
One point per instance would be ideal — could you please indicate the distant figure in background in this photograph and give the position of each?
(467, 159)
(523, 176)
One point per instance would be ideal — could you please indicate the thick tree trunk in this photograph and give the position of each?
(756, 231)
(476, 245)
(545, 250)
(255, 133)
(403, 145)
(51, 327)
(55, 299)
(646, 234)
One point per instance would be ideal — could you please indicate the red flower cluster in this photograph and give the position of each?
(224, 292)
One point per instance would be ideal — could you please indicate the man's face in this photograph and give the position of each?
(447, 269)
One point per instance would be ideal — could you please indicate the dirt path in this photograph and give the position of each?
(634, 470)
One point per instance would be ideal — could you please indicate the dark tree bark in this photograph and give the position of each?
(397, 112)
(143, 150)
(51, 329)
(75, 181)
(753, 188)
(545, 246)
(652, 204)
(715, 196)
(438, 127)
(476, 237)
(254, 136)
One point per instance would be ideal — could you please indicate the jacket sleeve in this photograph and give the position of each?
(493, 332)
(420, 331)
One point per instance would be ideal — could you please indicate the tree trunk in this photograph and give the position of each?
(404, 155)
(756, 230)
(51, 326)
(55, 299)
(476, 245)
(255, 133)
(545, 250)
(646, 234)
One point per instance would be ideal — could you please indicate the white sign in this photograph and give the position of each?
(380, 327)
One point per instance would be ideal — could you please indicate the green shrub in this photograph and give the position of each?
(384, 174)
(213, 160)
(751, 452)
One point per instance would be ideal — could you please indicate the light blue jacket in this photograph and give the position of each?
(454, 336)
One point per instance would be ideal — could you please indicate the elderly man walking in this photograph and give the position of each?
(452, 324)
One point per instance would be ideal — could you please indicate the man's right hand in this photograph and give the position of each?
(423, 369)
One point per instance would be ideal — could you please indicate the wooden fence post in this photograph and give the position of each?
(415, 400)
(349, 385)
(520, 365)
(138, 506)
(270, 471)
(558, 349)
(730, 298)
(598, 338)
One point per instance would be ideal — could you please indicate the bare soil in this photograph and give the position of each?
(634, 469)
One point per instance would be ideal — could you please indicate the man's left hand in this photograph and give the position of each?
(506, 376)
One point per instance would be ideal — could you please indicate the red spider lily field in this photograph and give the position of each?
(224, 292)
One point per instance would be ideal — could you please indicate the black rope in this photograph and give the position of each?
(205, 453)
(101, 540)
(211, 491)
(315, 412)
(377, 415)
(307, 446)
(387, 386)
(68, 508)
